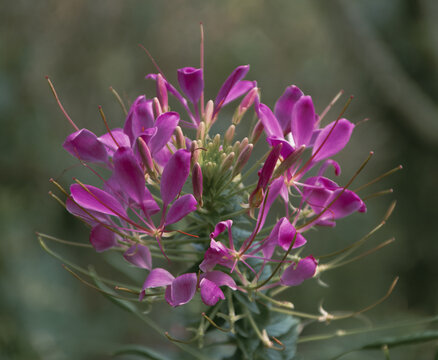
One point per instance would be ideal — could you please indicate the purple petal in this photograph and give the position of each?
(347, 203)
(287, 147)
(182, 290)
(102, 238)
(191, 81)
(284, 106)
(269, 166)
(91, 217)
(303, 121)
(140, 118)
(175, 175)
(305, 269)
(239, 89)
(220, 279)
(286, 234)
(180, 208)
(210, 292)
(237, 75)
(328, 163)
(139, 255)
(95, 199)
(158, 277)
(215, 254)
(165, 124)
(332, 143)
(85, 145)
(110, 145)
(221, 227)
(270, 123)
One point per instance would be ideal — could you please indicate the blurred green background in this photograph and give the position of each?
(385, 53)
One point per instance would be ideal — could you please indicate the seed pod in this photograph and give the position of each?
(242, 160)
(146, 157)
(257, 132)
(162, 93)
(197, 183)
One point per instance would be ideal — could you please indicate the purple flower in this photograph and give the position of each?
(295, 274)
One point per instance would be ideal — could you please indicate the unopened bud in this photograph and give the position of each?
(217, 141)
(227, 162)
(146, 157)
(200, 134)
(256, 198)
(229, 134)
(162, 92)
(236, 148)
(243, 144)
(197, 183)
(242, 160)
(179, 138)
(157, 107)
(288, 162)
(269, 166)
(257, 132)
(246, 103)
(208, 113)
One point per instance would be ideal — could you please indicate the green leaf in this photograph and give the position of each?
(243, 300)
(139, 350)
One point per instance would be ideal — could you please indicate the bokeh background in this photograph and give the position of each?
(385, 53)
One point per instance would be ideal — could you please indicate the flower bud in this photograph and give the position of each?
(236, 148)
(227, 162)
(229, 134)
(162, 93)
(208, 113)
(157, 107)
(146, 157)
(200, 134)
(288, 162)
(243, 144)
(269, 166)
(217, 141)
(197, 183)
(246, 103)
(242, 160)
(195, 153)
(179, 138)
(257, 132)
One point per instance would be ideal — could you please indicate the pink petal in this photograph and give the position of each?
(303, 121)
(270, 123)
(347, 203)
(241, 88)
(102, 238)
(165, 124)
(96, 200)
(84, 145)
(210, 292)
(220, 279)
(158, 277)
(191, 81)
(139, 255)
(237, 75)
(140, 118)
(221, 227)
(305, 269)
(180, 208)
(332, 143)
(175, 175)
(121, 138)
(284, 107)
(183, 289)
(286, 234)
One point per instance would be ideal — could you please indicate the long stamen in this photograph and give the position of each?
(60, 105)
(201, 55)
(119, 99)
(107, 127)
(152, 60)
(329, 106)
(377, 179)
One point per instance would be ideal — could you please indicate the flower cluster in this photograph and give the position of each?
(146, 202)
